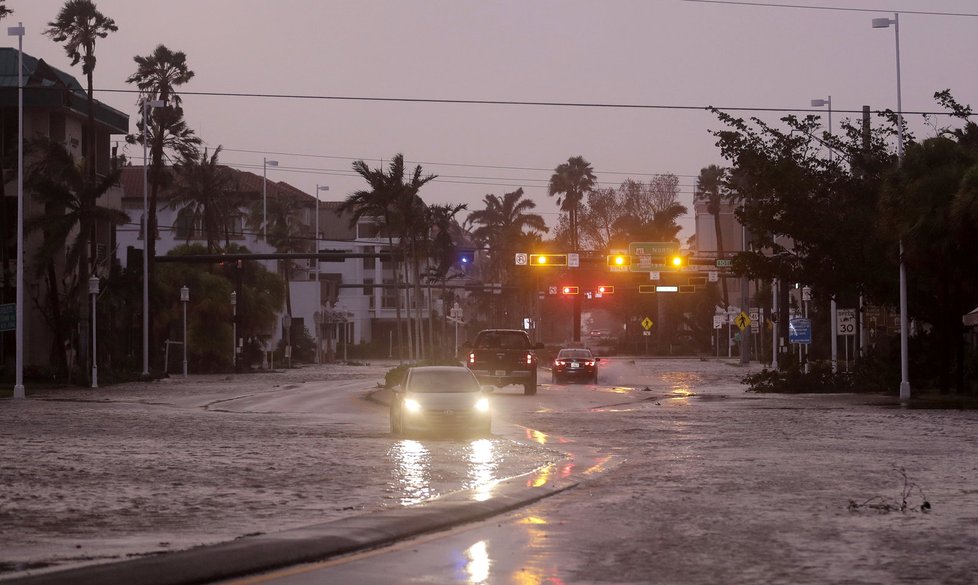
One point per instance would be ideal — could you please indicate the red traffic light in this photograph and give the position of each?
(570, 290)
(606, 289)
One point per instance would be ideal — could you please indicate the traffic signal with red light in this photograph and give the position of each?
(605, 289)
(570, 290)
(548, 259)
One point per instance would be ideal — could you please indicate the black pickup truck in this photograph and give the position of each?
(503, 356)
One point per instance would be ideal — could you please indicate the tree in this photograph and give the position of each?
(158, 76)
(391, 197)
(203, 194)
(4, 11)
(65, 191)
(79, 24)
(572, 180)
(503, 223)
(711, 186)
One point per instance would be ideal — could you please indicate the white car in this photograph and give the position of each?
(441, 399)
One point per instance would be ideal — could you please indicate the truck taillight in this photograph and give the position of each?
(472, 357)
(529, 359)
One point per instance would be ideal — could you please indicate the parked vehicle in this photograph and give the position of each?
(503, 356)
(575, 364)
(441, 399)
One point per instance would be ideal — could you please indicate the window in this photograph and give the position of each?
(368, 287)
(369, 263)
(388, 301)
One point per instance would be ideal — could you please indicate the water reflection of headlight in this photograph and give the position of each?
(477, 567)
(413, 471)
(482, 470)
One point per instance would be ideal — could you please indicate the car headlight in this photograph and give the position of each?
(412, 405)
(482, 405)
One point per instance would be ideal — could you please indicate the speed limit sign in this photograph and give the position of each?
(846, 320)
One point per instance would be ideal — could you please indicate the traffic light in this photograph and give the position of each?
(619, 260)
(570, 290)
(548, 259)
(605, 289)
(646, 288)
(678, 261)
(466, 256)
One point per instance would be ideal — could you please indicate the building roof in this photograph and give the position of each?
(249, 184)
(49, 87)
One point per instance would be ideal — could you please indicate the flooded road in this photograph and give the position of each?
(713, 485)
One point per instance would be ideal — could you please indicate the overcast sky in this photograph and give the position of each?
(640, 52)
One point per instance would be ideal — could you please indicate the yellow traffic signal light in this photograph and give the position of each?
(678, 261)
(570, 290)
(606, 289)
(548, 259)
(619, 260)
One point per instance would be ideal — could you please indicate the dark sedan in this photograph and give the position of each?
(575, 364)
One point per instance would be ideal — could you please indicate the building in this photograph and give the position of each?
(55, 106)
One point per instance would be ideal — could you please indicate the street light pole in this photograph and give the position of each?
(18, 31)
(265, 163)
(319, 285)
(184, 299)
(147, 103)
(833, 316)
(93, 292)
(234, 330)
(904, 351)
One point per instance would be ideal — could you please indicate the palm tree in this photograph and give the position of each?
(202, 193)
(79, 24)
(710, 186)
(392, 198)
(502, 224)
(572, 180)
(65, 190)
(158, 76)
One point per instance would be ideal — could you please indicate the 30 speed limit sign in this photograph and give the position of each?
(846, 321)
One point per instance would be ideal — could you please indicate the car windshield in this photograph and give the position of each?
(443, 381)
(502, 340)
(574, 353)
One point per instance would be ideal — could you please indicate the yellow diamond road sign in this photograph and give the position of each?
(742, 320)
(647, 323)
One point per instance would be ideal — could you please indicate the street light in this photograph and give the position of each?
(93, 292)
(184, 298)
(265, 163)
(234, 330)
(147, 104)
(319, 286)
(18, 31)
(833, 317)
(904, 352)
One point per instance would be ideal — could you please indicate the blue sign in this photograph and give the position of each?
(800, 331)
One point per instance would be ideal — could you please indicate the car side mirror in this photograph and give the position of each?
(397, 389)
(597, 359)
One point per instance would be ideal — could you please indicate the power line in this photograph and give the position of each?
(830, 8)
(605, 105)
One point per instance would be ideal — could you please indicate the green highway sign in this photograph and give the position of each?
(652, 248)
